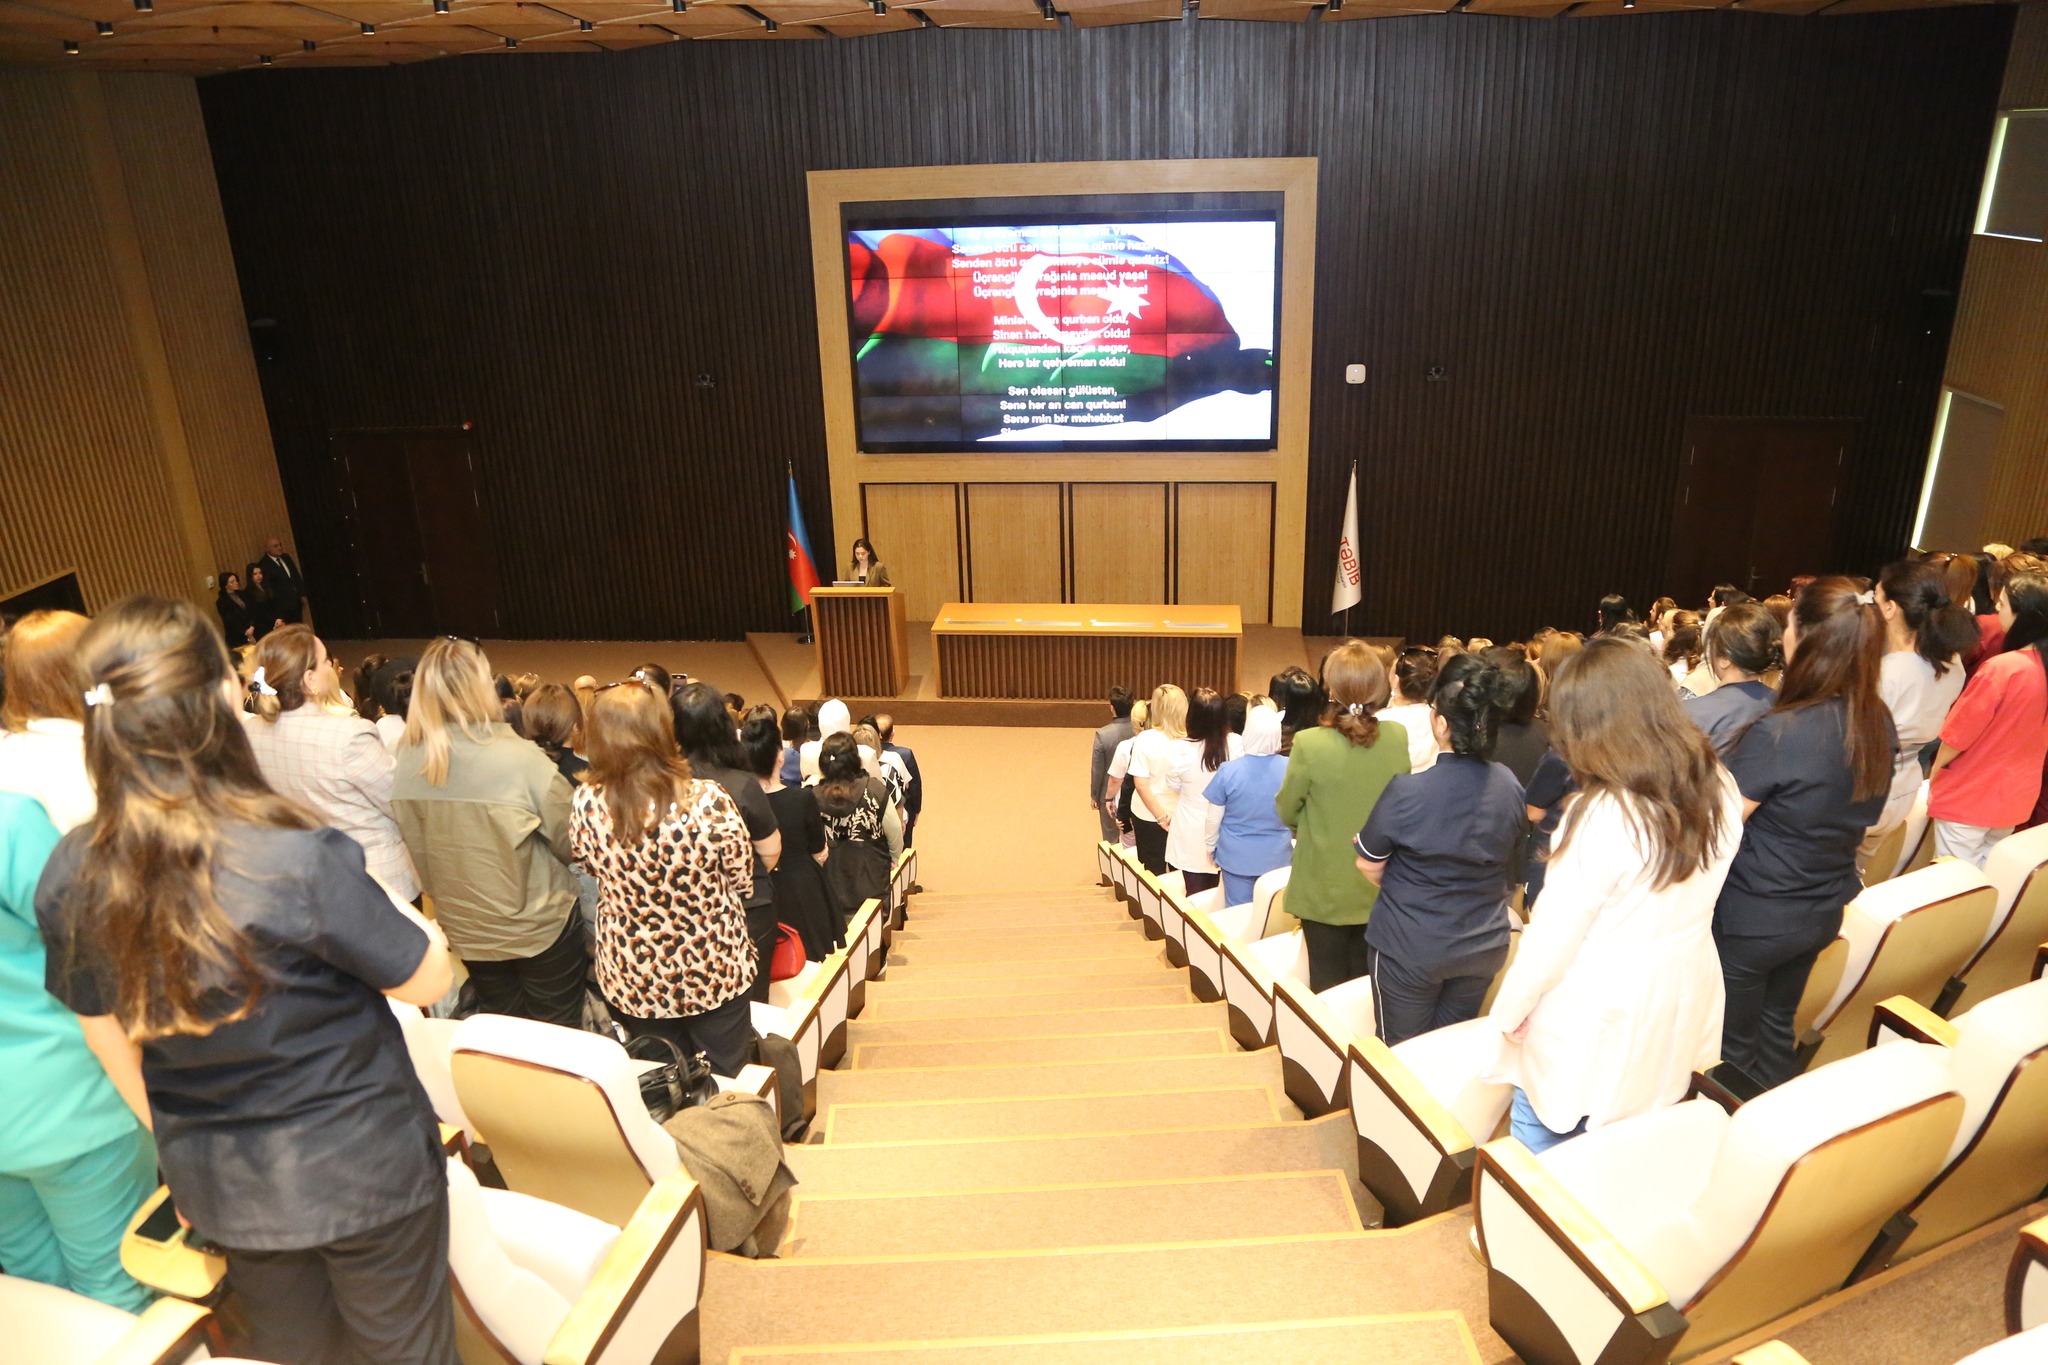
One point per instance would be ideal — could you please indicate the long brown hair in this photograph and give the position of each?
(286, 655)
(1838, 653)
(1355, 681)
(42, 674)
(171, 765)
(1618, 725)
(634, 761)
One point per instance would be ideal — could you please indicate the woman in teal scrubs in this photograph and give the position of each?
(75, 1162)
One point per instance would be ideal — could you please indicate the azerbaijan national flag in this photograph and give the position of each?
(803, 570)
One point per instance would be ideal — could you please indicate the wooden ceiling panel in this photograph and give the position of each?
(225, 35)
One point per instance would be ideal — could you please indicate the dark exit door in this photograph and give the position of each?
(424, 546)
(1756, 503)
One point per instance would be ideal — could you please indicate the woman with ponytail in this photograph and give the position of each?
(1925, 637)
(1989, 772)
(1742, 645)
(228, 957)
(1815, 772)
(485, 815)
(1440, 846)
(1334, 778)
(334, 765)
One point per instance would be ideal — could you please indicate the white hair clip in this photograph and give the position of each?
(101, 695)
(1867, 598)
(1356, 708)
(261, 685)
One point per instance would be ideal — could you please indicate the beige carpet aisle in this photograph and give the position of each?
(1041, 1148)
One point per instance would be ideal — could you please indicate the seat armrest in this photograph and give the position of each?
(169, 1332)
(1770, 1353)
(1612, 1267)
(1400, 1084)
(1900, 1017)
(170, 1267)
(2026, 1280)
(650, 1284)
(2040, 962)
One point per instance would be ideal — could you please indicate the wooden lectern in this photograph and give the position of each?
(863, 641)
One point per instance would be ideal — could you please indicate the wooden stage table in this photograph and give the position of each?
(1054, 651)
(863, 641)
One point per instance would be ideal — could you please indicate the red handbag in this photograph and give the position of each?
(789, 954)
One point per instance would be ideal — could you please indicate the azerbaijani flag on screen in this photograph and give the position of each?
(803, 570)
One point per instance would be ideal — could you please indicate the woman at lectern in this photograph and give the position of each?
(868, 569)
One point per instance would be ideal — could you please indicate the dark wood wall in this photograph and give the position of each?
(1596, 228)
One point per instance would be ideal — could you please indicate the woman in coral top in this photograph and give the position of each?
(1994, 743)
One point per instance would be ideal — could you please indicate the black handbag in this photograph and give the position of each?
(677, 1082)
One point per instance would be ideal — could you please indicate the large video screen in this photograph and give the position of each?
(1152, 333)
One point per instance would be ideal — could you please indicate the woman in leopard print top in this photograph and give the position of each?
(673, 867)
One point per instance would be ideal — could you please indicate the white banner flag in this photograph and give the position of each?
(1347, 593)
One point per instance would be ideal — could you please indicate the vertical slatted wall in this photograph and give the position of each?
(1595, 229)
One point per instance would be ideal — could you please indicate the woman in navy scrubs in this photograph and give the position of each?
(1440, 846)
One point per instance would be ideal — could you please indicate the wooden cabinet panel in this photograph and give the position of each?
(1119, 540)
(1223, 546)
(1014, 542)
(915, 528)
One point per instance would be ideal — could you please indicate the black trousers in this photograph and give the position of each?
(1765, 978)
(378, 1298)
(761, 933)
(1191, 882)
(1408, 999)
(1151, 845)
(724, 1034)
(547, 986)
(1336, 953)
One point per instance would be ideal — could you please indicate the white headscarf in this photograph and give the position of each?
(834, 719)
(1261, 731)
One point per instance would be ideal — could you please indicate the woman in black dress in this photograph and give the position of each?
(263, 612)
(236, 610)
(801, 900)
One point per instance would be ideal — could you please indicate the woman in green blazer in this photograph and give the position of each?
(1335, 774)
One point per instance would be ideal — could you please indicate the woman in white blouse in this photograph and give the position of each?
(1413, 674)
(42, 734)
(1207, 746)
(1166, 722)
(1616, 995)
(1925, 635)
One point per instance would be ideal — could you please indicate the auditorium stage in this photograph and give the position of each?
(773, 667)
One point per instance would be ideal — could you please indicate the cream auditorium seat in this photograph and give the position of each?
(1665, 1235)
(2018, 869)
(1105, 861)
(1264, 915)
(1150, 913)
(2026, 1281)
(1422, 1111)
(801, 1021)
(1886, 857)
(429, 1040)
(41, 1324)
(1998, 1160)
(562, 1113)
(539, 1284)
(902, 876)
(1906, 936)
(1250, 971)
(1315, 1031)
(1919, 836)
(2028, 1348)
(1204, 944)
(1173, 918)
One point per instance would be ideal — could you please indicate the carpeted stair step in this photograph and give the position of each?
(1086, 1047)
(1425, 1267)
(1073, 1022)
(1060, 971)
(1056, 980)
(1023, 948)
(955, 1120)
(1002, 930)
(1056, 895)
(1094, 1077)
(1131, 1213)
(1396, 1339)
(1327, 1143)
(981, 1005)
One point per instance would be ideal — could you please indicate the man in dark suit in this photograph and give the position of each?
(281, 575)
(1106, 740)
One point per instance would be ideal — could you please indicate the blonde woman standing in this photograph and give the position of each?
(334, 765)
(1166, 721)
(485, 815)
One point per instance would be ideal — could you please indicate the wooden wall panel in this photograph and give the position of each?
(1223, 545)
(115, 344)
(916, 529)
(2001, 332)
(1016, 543)
(1595, 231)
(1117, 535)
(167, 168)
